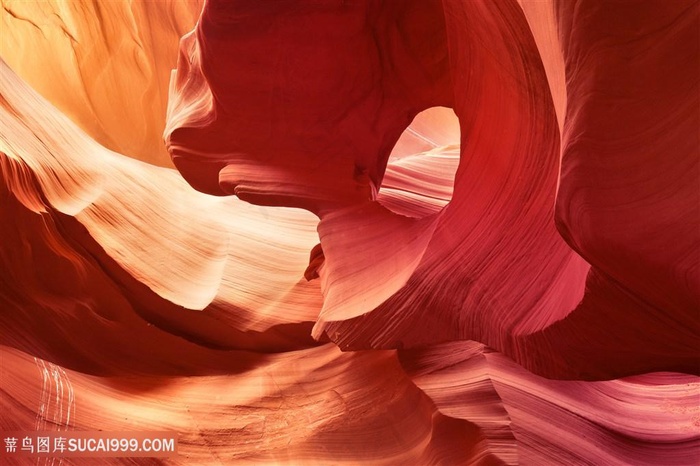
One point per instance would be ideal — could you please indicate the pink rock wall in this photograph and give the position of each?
(421, 232)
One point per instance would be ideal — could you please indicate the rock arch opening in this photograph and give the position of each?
(419, 178)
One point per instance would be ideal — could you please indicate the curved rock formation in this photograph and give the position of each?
(100, 221)
(489, 266)
(648, 419)
(428, 232)
(106, 65)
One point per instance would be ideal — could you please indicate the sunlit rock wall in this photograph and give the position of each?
(105, 64)
(416, 232)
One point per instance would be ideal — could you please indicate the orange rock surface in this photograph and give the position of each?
(398, 232)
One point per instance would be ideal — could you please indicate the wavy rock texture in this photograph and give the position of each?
(491, 265)
(106, 65)
(141, 231)
(463, 232)
(539, 421)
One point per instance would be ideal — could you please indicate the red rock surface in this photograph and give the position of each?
(427, 232)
